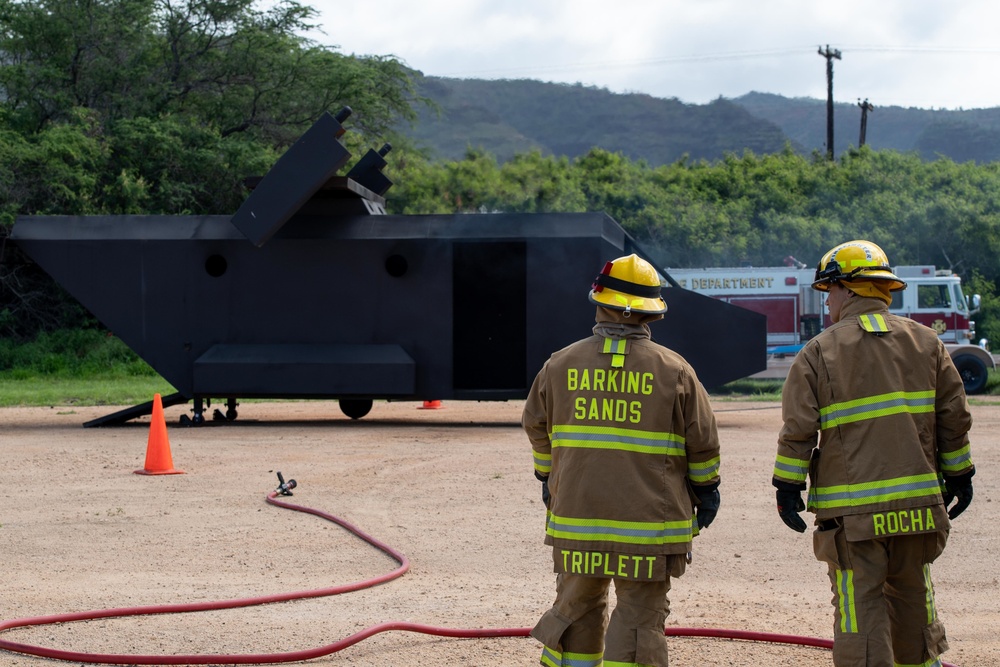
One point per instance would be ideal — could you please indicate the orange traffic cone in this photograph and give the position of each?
(158, 459)
(431, 405)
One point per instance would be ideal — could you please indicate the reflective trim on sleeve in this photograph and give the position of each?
(614, 438)
(870, 493)
(960, 459)
(543, 462)
(793, 470)
(872, 407)
(704, 470)
(623, 532)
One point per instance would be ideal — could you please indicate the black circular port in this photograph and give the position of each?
(216, 265)
(396, 265)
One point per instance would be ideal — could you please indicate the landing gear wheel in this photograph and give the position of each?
(355, 408)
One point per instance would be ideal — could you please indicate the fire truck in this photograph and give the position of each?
(795, 311)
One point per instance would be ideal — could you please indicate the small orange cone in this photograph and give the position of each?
(158, 459)
(431, 405)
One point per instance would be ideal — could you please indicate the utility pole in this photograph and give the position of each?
(865, 108)
(829, 55)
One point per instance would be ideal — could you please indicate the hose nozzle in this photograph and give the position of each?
(284, 488)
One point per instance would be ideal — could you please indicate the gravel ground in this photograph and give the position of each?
(450, 488)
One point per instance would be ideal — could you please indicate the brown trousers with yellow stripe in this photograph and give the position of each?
(883, 598)
(577, 631)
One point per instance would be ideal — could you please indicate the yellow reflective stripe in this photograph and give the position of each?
(956, 460)
(628, 303)
(846, 609)
(624, 532)
(554, 658)
(582, 659)
(929, 595)
(868, 493)
(849, 263)
(933, 662)
(704, 470)
(872, 407)
(617, 361)
(614, 346)
(616, 438)
(794, 470)
(543, 462)
(550, 657)
(873, 323)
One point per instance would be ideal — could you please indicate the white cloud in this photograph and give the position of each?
(910, 52)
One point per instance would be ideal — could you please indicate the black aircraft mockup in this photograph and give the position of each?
(310, 290)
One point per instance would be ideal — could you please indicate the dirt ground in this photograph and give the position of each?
(450, 488)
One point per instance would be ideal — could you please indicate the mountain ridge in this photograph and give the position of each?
(510, 116)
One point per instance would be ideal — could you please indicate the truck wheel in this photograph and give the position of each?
(973, 372)
(355, 408)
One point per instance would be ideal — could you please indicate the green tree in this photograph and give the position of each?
(224, 62)
(161, 106)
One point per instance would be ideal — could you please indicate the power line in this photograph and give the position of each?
(722, 57)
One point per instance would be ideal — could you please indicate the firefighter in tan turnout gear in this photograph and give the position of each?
(893, 453)
(626, 446)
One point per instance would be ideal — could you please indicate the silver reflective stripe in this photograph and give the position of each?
(613, 438)
(873, 323)
(873, 407)
(855, 495)
(627, 532)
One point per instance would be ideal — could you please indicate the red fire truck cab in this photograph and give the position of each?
(795, 311)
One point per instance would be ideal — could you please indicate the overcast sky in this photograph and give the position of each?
(930, 54)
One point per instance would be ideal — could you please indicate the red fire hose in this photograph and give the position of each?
(295, 656)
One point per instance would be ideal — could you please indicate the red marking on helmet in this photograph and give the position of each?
(606, 271)
(790, 280)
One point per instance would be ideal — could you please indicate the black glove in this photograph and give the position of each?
(958, 486)
(546, 496)
(789, 497)
(708, 504)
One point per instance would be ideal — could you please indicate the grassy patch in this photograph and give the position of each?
(81, 391)
(75, 367)
(750, 389)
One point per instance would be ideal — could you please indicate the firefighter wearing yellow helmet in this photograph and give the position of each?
(876, 418)
(626, 446)
(860, 266)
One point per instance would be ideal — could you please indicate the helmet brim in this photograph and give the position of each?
(613, 300)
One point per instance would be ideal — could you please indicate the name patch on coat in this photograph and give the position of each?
(892, 523)
(610, 565)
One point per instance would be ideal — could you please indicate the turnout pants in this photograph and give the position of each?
(577, 631)
(883, 598)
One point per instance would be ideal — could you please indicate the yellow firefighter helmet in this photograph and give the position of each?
(630, 284)
(857, 262)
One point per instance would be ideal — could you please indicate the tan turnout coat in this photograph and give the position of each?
(874, 412)
(621, 427)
